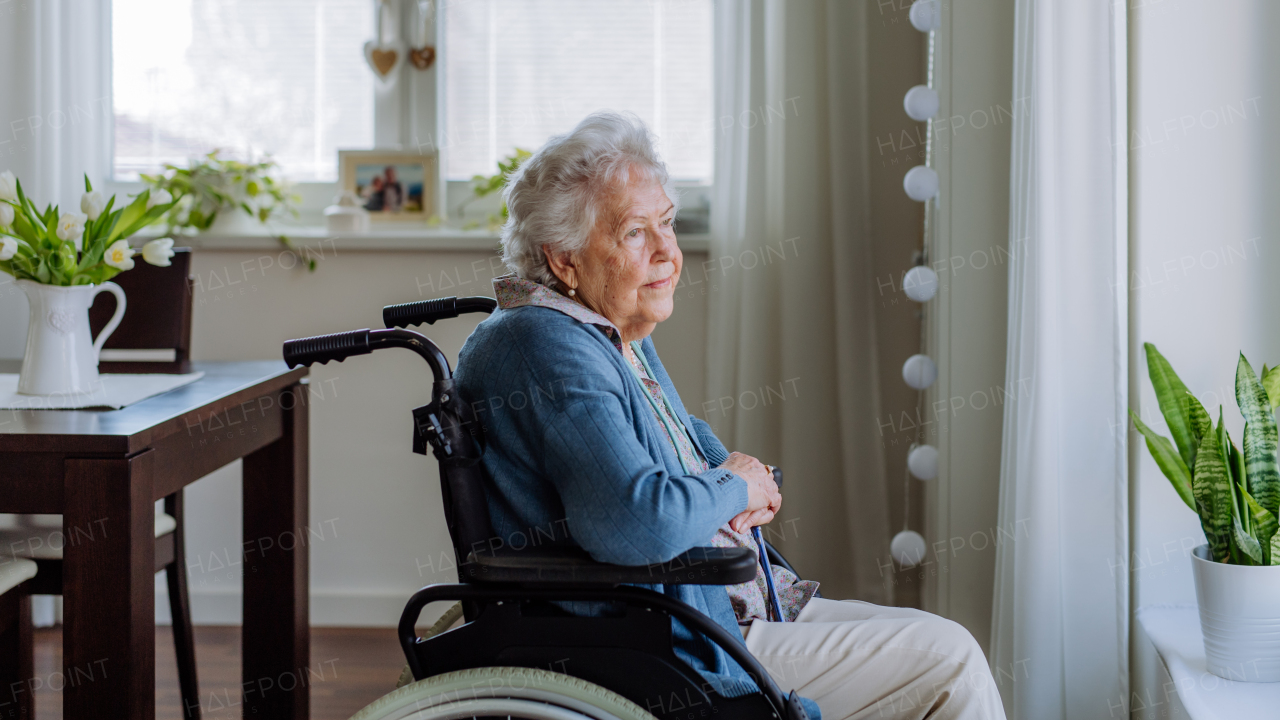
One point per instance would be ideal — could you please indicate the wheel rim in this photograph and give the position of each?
(508, 708)
(502, 693)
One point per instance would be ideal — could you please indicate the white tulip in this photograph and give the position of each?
(119, 255)
(71, 226)
(157, 252)
(92, 204)
(158, 197)
(6, 214)
(8, 187)
(8, 247)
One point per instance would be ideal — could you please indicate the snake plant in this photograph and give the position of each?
(1236, 494)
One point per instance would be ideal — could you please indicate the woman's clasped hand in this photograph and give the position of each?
(763, 497)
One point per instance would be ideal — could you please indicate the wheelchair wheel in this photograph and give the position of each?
(509, 693)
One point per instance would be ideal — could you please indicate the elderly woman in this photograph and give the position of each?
(590, 444)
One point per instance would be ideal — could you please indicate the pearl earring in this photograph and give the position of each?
(572, 292)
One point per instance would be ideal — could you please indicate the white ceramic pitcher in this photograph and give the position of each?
(62, 356)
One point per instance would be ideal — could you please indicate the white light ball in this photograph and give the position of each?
(922, 461)
(919, 372)
(921, 183)
(926, 15)
(920, 283)
(921, 103)
(907, 548)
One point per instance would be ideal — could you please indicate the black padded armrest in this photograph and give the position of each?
(572, 566)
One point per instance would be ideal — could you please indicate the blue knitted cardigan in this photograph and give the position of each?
(575, 456)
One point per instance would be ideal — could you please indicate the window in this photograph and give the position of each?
(519, 71)
(285, 77)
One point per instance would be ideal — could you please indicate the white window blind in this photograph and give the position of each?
(519, 71)
(285, 77)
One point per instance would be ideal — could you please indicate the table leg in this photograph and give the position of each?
(108, 588)
(276, 637)
(16, 672)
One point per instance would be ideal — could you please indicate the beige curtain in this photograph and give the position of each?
(792, 339)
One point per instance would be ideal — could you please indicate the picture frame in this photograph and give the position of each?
(407, 197)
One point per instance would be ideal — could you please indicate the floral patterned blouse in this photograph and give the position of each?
(749, 599)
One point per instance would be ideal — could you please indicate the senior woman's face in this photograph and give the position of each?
(629, 269)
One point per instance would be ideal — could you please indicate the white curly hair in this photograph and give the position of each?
(559, 196)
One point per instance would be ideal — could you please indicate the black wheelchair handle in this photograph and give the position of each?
(777, 476)
(340, 346)
(429, 311)
(323, 348)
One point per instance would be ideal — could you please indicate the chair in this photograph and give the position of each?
(153, 337)
(518, 651)
(16, 666)
(39, 539)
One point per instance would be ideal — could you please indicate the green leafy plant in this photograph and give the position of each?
(213, 185)
(69, 248)
(1235, 493)
(482, 185)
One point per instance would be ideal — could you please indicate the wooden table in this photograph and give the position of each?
(103, 471)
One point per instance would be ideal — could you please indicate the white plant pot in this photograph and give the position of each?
(233, 222)
(62, 357)
(1239, 618)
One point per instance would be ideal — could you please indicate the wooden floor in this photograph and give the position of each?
(350, 667)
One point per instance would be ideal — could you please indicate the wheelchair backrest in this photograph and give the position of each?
(448, 424)
(462, 480)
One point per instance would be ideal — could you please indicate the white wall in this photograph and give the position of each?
(1204, 76)
(968, 319)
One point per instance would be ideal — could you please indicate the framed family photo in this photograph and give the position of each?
(393, 185)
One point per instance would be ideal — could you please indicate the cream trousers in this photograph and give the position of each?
(863, 661)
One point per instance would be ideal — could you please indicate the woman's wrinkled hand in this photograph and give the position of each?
(763, 496)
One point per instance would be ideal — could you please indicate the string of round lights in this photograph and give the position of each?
(920, 284)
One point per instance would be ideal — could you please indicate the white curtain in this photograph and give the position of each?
(1060, 620)
(54, 99)
(791, 332)
(55, 96)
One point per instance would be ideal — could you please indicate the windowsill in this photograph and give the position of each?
(379, 239)
(1175, 633)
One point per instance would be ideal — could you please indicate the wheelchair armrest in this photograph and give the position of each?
(561, 565)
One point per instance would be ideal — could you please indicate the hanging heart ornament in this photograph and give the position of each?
(422, 57)
(383, 58)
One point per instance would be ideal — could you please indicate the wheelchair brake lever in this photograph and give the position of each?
(795, 710)
(446, 424)
(427, 430)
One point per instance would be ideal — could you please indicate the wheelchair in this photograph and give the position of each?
(517, 654)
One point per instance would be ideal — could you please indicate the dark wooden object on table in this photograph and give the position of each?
(157, 316)
(104, 470)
